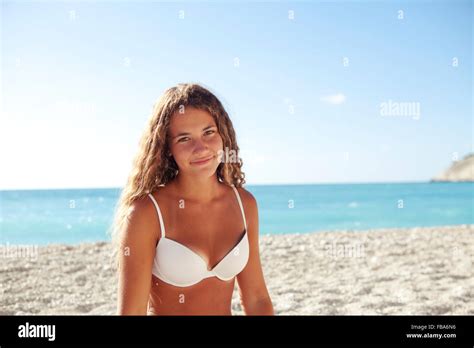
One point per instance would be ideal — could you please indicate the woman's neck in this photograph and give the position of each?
(197, 188)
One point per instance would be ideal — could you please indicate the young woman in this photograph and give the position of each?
(186, 228)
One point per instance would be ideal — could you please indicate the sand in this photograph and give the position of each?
(389, 271)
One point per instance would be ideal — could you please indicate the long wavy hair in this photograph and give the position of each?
(154, 165)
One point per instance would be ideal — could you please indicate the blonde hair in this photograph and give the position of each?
(154, 166)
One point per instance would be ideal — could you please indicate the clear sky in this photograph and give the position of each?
(303, 82)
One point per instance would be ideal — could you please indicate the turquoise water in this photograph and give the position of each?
(80, 215)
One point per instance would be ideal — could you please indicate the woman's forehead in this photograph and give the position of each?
(190, 119)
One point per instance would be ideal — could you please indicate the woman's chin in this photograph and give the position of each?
(204, 170)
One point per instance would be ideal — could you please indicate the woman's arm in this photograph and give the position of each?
(136, 253)
(253, 292)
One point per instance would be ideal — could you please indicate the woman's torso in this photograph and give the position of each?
(210, 231)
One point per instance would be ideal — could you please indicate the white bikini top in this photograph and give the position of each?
(178, 265)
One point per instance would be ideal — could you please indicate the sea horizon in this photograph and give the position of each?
(249, 184)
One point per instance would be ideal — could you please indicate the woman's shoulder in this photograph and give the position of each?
(144, 204)
(248, 200)
(141, 219)
(141, 207)
(161, 194)
(250, 207)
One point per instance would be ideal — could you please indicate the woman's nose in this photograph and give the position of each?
(199, 145)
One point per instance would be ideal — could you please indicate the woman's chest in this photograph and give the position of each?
(203, 225)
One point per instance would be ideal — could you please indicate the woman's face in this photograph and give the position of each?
(195, 142)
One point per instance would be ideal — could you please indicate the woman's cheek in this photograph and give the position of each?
(181, 152)
(217, 143)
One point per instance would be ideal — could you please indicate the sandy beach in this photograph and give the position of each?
(385, 271)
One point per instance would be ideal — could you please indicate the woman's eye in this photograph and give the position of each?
(183, 139)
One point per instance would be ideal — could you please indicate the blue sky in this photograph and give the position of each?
(79, 80)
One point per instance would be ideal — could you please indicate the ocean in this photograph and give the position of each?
(84, 215)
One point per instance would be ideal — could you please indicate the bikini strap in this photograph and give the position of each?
(240, 204)
(162, 225)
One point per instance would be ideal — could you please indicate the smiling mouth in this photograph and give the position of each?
(201, 161)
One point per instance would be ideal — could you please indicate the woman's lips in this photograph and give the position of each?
(202, 161)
